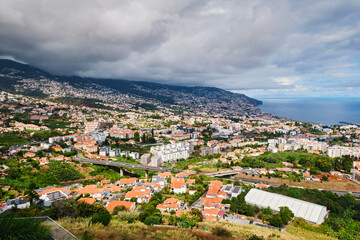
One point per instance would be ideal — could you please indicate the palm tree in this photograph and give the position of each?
(31, 193)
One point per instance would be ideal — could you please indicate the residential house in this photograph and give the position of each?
(169, 205)
(130, 206)
(87, 200)
(126, 182)
(140, 193)
(178, 185)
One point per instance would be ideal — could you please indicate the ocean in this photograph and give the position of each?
(325, 111)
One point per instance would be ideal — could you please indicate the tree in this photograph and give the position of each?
(197, 214)
(286, 214)
(152, 220)
(85, 209)
(187, 221)
(63, 208)
(237, 183)
(118, 209)
(324, 163)
(63, 145)
(294, 192)
(325, 178)
(31, 193)
(136, 136)
(266, 214)
(103, 217)
(276, 221)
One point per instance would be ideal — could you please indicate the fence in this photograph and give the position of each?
(57, 231)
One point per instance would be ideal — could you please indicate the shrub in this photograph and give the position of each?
(152, 220)
(25, 228)
(130, 217)
(103, 217)
(86, 236)
(118, 209)
(276, 221)
(254, 237)
(221, 231)
(286, 214)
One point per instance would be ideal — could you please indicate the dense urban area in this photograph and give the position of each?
(124, 168)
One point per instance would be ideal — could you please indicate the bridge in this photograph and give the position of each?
(223, 173)
(126, 165)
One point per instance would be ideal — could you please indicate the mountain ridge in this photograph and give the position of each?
(15, 75)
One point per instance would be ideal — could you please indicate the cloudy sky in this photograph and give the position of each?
(261, 48)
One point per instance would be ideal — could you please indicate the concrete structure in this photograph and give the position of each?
(231, 190)
(210, 151)
(134, 155)
(155, 161)
(114, 152)
(309, 211)
(339, 151)
(173, 151)
(104, 151)
(145, 159)
(293, 144)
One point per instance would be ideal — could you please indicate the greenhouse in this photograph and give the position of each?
(309, 211)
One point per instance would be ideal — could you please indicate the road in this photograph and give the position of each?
(223, 173)
(340, 193)
(127, 165)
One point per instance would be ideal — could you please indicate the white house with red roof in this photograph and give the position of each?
(169, 205)
(178, 185)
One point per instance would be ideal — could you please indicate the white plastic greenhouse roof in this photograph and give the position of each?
(309, 211)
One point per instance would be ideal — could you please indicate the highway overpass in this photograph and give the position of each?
(223, 173)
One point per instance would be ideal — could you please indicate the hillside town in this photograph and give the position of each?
(191, 163)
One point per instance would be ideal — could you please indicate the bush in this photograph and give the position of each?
(221, 231)
(286, 214)
(87, 236)
(118, 209)
(63, 208)
(130, 217)
(254, 237)
(103, 217)
(276, 221)
(26, 228)
(152, 220)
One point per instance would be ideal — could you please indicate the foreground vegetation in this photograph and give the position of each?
(120, 229)
(25, 229)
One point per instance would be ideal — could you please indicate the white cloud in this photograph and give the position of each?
(287, 81)
(230, 44)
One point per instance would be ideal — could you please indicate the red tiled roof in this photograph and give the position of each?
(116, 203)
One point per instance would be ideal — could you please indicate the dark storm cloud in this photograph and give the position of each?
(229, 44)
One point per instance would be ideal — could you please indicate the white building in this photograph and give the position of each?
(293, 144)
(145, 159)
(172, 151)
(339, 151)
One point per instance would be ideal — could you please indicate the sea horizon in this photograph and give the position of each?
(327, 111)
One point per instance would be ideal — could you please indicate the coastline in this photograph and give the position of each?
(325, 111)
